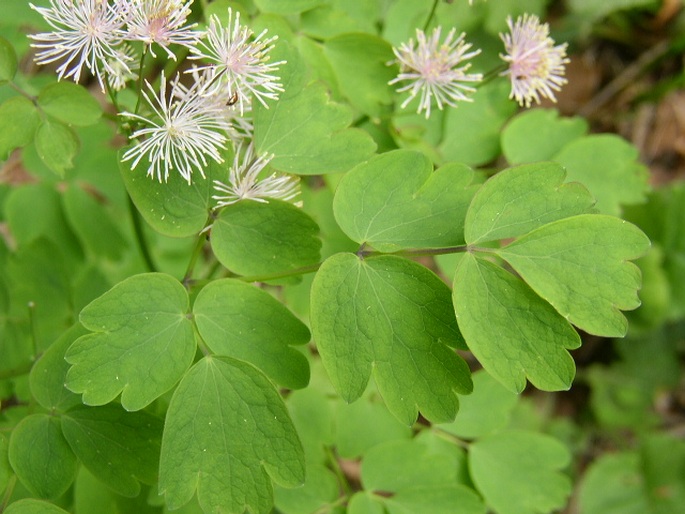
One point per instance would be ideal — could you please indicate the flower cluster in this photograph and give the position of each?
(186, 122)
(436, 71)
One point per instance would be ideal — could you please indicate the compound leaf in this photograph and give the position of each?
(517, 472)
(396, 200)
(118, 447)
(392, 316)
(41, 457)
(580, 265)
(142, 345)
(309, 134)
(253, 238)
(512, 332)
(227, 431)
(239, 320)
(523, 198)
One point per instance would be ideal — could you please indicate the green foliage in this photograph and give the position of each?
(597, 241)
(117, 447)
(69, 103)
(226, 411)
(530, 345)
(359, 349)
(424, 209)
(41, 457)
(57, 145)
(8, 61)
(254, 238)
(20, 121)
(142, 343)
(519, 472)
(390, 316)
(241, 321)
(174, 208)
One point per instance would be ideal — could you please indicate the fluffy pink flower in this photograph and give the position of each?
(86, 33)
(435, 70)
(536, 66)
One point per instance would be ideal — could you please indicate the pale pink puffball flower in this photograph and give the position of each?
(244, 182)
(162, 22)
(536, 66)
(86, 33)
(434, 70)
(238, 61)
(185, 128)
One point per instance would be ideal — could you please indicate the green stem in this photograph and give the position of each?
(430, 15)
(140, 236)
(140, 79)
(283, 274)
(199, 245)
(8, 492)
(337, 470)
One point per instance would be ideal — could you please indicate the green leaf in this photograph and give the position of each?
(93, 224)
(390, 316)
(41, 457)
(286, 6)
(422, 479)
(436, 500)
(395, 200)
(31, 506)
(609, 167)
(520, 199)
(227, 431)
(69, 103)
(519, 472)
(360, 65)
(379, 427)
(321, 488)
(8, 61)
(19, 120)
(472, 130)
(254, 238)
(338, 17)
(613, 484)
(142, 345)
(309, 134)
(57, 145)
(40, 289)
(173, 208)
(512, 332)
(49, 373)
(118, 447)
(580, 265)
(365, 503)
(484, 411)
(239, 320)
(413, 464)
(516, 136)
